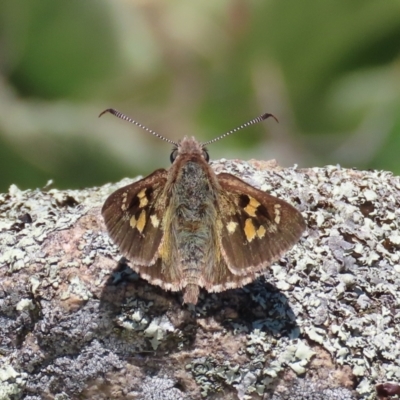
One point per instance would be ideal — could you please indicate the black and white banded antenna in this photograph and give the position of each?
(126, 118)
(245, 125)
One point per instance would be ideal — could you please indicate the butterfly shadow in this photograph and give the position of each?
(257, 306)
(144, 323)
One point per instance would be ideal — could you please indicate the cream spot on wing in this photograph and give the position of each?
(251, 208)
(253, 202)
(154, 220)
(123, 205)
(249, 229)
(126, 216)
(160, 251)
(272, 228)
(132, 222)
(277, 213)
(143, 202)
(143, 199)
(261, 232)
(231, 226)
(141, 222)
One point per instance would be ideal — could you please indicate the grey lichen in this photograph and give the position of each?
(161, 388)
(75, 321)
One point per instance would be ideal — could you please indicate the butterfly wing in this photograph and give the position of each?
(133, 217)
(257, 228)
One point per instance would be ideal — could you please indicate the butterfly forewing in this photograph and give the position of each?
(253, 220)
(133, 217)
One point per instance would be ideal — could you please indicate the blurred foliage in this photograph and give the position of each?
(330, 71)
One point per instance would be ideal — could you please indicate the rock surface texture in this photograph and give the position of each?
(322, 323)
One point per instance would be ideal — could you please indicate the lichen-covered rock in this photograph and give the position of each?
(322, 323)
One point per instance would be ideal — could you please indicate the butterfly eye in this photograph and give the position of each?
(206, 155)
(173, 155)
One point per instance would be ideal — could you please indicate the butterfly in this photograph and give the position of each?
(188, 228)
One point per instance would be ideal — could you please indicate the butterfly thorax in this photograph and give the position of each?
(193, 193)
(193, 189)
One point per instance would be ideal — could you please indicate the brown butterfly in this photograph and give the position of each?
(187, 228)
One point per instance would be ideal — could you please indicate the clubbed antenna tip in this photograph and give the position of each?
(109, 110)
(266, 115)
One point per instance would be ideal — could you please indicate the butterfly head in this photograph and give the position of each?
(189, 147)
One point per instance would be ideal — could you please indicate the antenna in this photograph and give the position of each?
(252, 122)
(124, 117)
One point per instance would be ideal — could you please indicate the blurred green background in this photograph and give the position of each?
(329, 70)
